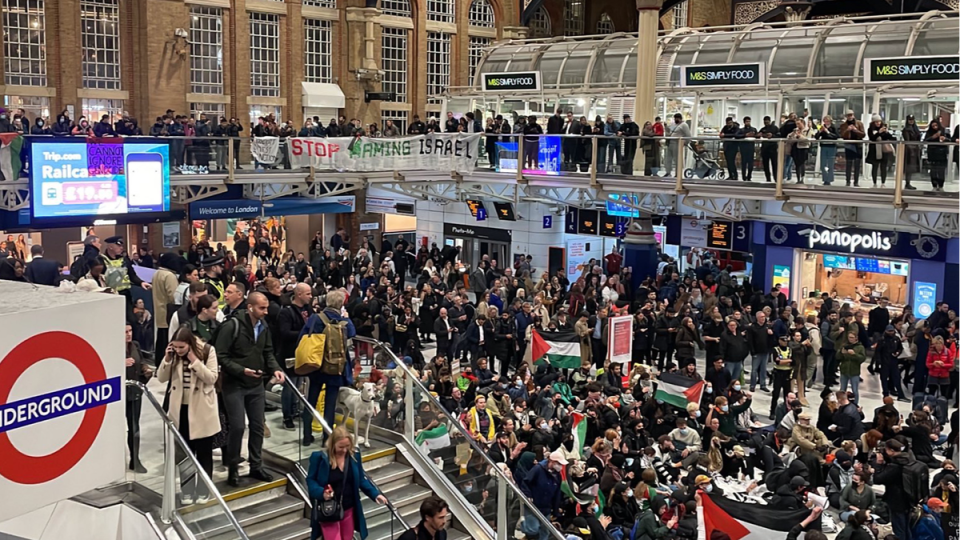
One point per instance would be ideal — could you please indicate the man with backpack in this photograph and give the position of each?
(906, 483)
(245, 352)
(291, 321)
(335, 369)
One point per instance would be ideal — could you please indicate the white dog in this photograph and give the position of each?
(359, 404)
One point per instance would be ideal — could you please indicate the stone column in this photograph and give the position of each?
(645, 102)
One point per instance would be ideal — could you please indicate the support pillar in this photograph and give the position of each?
(640, 250)
(644, 105)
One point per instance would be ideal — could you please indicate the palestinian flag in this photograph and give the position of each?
(582, 494)
(678, 390)
(10, 166)
(579, 429)
(561, 349)
(433, 439)
(748, 521)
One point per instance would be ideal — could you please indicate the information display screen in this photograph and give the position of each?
(839, 261)
(865, 264)
(99, 179)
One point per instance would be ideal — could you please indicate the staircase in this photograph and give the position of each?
(278, 510)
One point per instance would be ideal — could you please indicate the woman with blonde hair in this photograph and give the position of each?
(190, 369)
(336, 474)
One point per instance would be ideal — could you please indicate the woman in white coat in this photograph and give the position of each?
(190, 370)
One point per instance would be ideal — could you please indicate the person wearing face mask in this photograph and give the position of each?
(856, 495)
(726, 414)
(63, 125)
(541, 486)
(40, 128)
(622, 507)
(686, 439)
(82, 128)
(839, 476)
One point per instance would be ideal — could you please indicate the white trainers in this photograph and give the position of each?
(203, 499)
(186, 499)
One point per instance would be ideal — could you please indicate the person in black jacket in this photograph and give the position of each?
(417, 127)
(555, 124)
(747, 133)
(244, 363)
(290, 321)
(233, 131)
(730, 147)
(761, 341)
(42, 271)
(888, 472)
(768, 150)
(629, 128)
(885, 356)
(734, 348)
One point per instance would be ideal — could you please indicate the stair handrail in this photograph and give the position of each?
(327, 431)
(503, 480)
(171, 438)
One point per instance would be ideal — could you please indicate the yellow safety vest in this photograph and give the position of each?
(218, 285)
(115, 274)
(782, 354)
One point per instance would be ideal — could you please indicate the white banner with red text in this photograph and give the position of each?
(446, 152)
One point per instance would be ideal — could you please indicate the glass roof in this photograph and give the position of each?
(816, 53)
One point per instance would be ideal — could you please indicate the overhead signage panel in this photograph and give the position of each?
(906, 69)
(503, 82)
(723, 75)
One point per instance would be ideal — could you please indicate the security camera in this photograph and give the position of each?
(181, 33)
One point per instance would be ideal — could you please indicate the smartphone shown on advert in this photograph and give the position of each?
(144, 172)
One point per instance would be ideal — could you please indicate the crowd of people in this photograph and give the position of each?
(227, 319)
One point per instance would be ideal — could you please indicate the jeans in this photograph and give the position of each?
(613, 147)
(853, 166)
(203, 450)
(854, 381)
(240, 401)
(759, 371)
(222, 154)
(828, 156)
(319, 381)
(730, 156)
(787, 166)
(890, 379)
(769, 159)
(829, 366)
(901, 525)
(133, 407)
(288, 399)
(734, 369)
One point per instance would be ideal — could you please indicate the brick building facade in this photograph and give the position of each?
(147, 47)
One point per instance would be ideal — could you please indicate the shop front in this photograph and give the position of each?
(475, 242)
(857, 267)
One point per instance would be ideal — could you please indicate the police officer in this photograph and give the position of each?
(119, 274)
(213, 272)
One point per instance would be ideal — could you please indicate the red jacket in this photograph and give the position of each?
(945, 356)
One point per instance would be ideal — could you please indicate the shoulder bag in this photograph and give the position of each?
(331, 511)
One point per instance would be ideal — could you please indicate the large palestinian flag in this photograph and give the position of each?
(748, 521)
(561, 349)
(10, 144)
(678, 390)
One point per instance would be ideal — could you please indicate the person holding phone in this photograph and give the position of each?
(190, 369)
(245, 347)
(336, 474)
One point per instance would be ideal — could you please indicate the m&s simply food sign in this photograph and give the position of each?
(905, 69)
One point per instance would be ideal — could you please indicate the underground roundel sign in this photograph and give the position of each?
(89, 399)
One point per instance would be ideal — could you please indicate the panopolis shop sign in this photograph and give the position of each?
(500, 82)
(857, 241)
(722, 75)
(917, 68)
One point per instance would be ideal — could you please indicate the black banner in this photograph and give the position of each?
(500, 82)
(722, 75)
(480, 233)
(921, 68)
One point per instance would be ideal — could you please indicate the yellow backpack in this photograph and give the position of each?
(309, 355)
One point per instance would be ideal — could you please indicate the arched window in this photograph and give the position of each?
(573, 14)
(397, 8)
(681, 12)
(540, 24)
(605, 25)
(481, 14)
(440, 10)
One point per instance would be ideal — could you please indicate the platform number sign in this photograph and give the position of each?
(481, 214)
(547, 222)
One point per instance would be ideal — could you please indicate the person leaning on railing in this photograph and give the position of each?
(336, 474)
(937, 154)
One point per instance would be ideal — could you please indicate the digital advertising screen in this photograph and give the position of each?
(103, 179)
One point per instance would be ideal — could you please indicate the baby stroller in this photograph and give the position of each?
(705, 165)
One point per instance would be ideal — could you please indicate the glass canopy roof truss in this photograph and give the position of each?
(815, 55)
